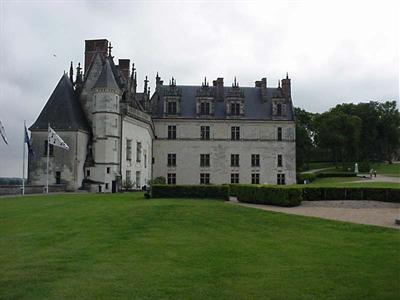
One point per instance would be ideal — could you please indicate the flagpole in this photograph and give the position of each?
(47, 160)
(23, 161)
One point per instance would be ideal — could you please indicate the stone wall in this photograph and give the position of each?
(30, 189)
(257, 137)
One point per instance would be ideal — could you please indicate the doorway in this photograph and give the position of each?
(58, 177)
(114, 186)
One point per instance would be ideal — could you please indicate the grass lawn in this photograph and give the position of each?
(349, 182)
(122, 246)
(388, 170)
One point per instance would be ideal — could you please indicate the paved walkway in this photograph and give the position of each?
(378, 178)
(361, 212)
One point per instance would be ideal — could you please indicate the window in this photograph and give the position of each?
(255, 160)
(279, 160)
(171, 108)
(255, 178)
(279, 133)
(205, 108)
(171, 132)
(235, 109)
(138, 185)
(205, 132)
(280, 179)
(128, 175)
(235, 133)
(115, 145)
(58, 177)
(171, 160)
(204, 160)
(51, 148)
(145, 161)
(171, 178)
(116, 123)
(138, 152)
(235, 178)
(106, 186)
(279, 109)
(108, 170)
(234, 160)
(204, 178)
(128, 149)
(87, 173)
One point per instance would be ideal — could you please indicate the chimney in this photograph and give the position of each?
(91, 48)
(286, 86)
(124, 67)
(219, 84)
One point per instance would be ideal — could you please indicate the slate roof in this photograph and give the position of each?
(62, 110)
(254, 107)
(106, 78)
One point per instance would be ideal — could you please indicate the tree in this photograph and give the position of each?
(304, 134)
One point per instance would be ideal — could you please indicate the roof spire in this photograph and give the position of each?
(71, 73)
(205, 83)
(145, 85)
(235, 83)
(279, 84)
(109, 49)
(78, 74)
(287, 75)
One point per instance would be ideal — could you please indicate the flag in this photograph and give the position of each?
(27, 140)
(3, 133)
(55, 140)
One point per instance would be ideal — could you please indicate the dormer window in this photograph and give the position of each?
(279, 109)
(205, 108)
(172, 108)
(235, 109)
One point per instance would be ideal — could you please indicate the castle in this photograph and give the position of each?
(203, 134)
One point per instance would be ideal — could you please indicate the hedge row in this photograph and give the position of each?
(336, 174)
(273, 195)
(351, 193)
(190, 191)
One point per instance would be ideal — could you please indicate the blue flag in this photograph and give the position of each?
(27, 140)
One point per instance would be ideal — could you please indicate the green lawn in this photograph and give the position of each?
(388, 170)
(349, 182)
(122, 246)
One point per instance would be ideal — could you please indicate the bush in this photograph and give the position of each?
(190, 191)
(310, 177)
(364, 167)
(273, 195)
(158, 180)
(336, 174)
(350, 193)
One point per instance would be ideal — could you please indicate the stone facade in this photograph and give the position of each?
(187, 134)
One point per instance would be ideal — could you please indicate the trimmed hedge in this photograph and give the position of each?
(310, 177)
(190, 191)
(336, 174)
(350, 193)
(272, 195)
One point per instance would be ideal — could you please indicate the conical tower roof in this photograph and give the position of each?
(106, 78)
(62, 110)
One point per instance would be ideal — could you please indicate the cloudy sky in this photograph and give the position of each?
(338, 51)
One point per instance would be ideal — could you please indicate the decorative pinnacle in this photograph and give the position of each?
(109, 49)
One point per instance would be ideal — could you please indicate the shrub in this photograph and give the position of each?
(158, 180)
(336, 174)
(310, 177)
(273, 195)
(350, 193)
(364, 167)
(190, 191)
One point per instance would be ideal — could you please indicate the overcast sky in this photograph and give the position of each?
(334, 51)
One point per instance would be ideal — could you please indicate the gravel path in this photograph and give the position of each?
(378, 178)
(361, 212)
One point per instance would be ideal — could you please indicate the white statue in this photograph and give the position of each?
(356, 168)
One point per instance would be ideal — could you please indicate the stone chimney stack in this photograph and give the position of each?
(286, 89)
(124, 66)
(219, 84)
(91, 48)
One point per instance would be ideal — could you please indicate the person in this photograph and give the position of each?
(370, 173)
(375, 173)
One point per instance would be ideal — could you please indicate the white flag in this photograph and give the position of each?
(55, 140)
(3, 133)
